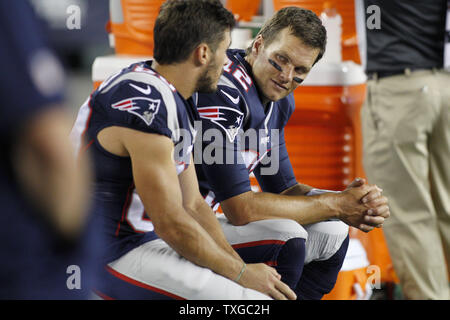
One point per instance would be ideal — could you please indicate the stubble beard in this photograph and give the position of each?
(205, 83)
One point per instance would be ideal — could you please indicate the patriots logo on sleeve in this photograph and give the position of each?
(144, 108)
(229, 119)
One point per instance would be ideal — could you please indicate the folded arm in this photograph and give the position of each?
(360, 205)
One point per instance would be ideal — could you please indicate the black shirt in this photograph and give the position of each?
(411, 35)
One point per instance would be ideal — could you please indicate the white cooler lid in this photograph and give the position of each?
(346, 73)
(105, 66)
(356, 257)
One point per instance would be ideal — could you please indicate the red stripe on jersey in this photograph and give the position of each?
(141, 284)
(84, 149)
(102, 295)
(145, 216)
(257, 243)
(88, 119)
(208, 110)
(122, 103)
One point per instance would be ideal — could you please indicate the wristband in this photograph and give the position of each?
(240, 273)
(315, 191)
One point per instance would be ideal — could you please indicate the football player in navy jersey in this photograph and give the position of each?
(164, 241)
(48, 246)
(288, 221)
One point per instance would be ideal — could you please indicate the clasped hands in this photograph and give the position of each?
(363, 206)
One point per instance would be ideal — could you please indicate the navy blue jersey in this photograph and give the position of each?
(36, 262)
(252, 136)
(140, 99)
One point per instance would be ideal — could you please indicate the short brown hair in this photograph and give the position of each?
(183, 24)
(303, 23)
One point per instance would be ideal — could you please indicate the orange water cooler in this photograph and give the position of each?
(130, 31)
(131, 25)
(243, 10)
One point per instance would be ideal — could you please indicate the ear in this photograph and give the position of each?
(258, 45)
(202, 54)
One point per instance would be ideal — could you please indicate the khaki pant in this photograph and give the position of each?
(406, 134)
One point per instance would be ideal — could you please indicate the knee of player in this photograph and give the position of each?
(238, 219)
(325, 240)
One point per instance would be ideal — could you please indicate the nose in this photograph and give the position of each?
(287, 74)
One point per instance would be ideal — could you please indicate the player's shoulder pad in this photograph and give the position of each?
(143, 94)
(140, 99)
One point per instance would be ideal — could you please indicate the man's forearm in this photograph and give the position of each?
(299, 207)
(294, 205)
(203, 214)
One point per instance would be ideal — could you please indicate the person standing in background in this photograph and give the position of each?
(406, 139)
(46, 232)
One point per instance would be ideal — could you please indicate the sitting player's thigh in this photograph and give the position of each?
(275, 230)
(157, 266)
(324, 239)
